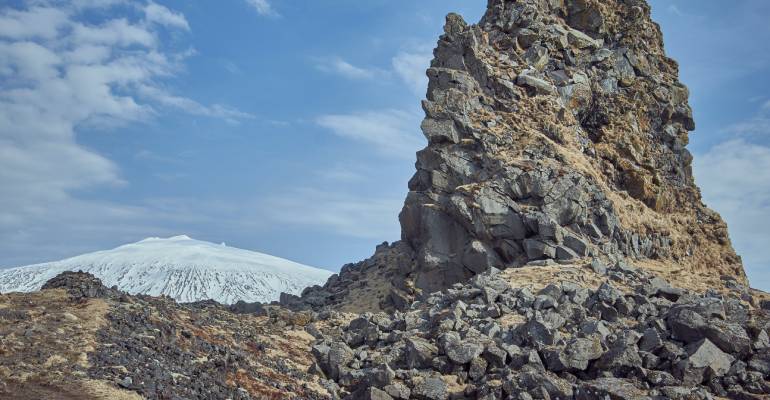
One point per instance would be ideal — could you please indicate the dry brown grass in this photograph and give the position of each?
(43, 356)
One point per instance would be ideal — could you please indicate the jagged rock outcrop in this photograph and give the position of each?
(557, 131)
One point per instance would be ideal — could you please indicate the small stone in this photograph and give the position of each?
(126, 382)
(537, 57)
(477, 369)
(581, 40)
(70, 317)
(651, 340)
(763, 341)
(372, 393)
(686, 325)
(537, 249)
(576, 355)
(540, 86)
(461, 352)
(620, 358)
(543, 302)
(430, 389)
(495, 355)
(398, 391)
(419, 353)
(598, 267)
(731, 338)
(610, 388)
(705, 355)
(537, 332)
(381, 376)
(564, 253)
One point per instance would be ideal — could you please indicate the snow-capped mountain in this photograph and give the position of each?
(180, 267)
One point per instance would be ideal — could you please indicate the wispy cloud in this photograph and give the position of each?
(345, 214)
(159, 14)
(231, 67)
(35, 22)
(342, 173)
(66, 67)
(732, 36)
(673, 9)
(757, 126)
(263, 7)
(734, 177)
(391, 132)
(411, 67)
(193, 107)
(338, 66)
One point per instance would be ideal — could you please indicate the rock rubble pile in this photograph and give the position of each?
(633, 337)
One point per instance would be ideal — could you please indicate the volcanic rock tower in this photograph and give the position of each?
(557, 133)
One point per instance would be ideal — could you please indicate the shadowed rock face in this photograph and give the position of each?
(557, 131)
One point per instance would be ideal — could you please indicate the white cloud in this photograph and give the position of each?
(392, 132)
(336, 65)
(263, 7)
(161, 15)
(59, 72)
(411, 67)
(96, 4)
(36, 22)
(734, 177)
(116, 32)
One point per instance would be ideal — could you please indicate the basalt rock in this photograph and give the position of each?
(80, 285)
(557, 132)
(508, 347)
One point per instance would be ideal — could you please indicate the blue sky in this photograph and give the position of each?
(289, 127)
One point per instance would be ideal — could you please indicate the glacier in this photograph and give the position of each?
(180, 267)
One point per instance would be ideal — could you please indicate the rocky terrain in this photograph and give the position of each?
(554, 246)
(588, 332)
(78, 339)
(551, 332)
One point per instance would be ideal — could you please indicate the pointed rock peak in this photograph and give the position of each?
(557, 132)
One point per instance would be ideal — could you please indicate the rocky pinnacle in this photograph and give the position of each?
(557, 134)
(557, 131)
